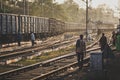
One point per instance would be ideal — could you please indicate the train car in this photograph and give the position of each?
(12, 24)
(59, 26)
(101, 27)
(8, 27)
(106, 27)
(69, 26)
(56, 26)
(53, 26)
(24, 26)
(44, 25)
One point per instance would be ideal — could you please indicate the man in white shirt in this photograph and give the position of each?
(32, 38)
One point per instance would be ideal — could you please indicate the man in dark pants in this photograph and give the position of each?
(0, 42)
(19, 38)
(103, 45)
(113, 38)
(80, 51)
(103, 41)
(32, 38)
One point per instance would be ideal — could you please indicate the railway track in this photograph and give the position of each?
(40, 70)
(27, 70)
(29, 51)
(26, 47)
(23, 45)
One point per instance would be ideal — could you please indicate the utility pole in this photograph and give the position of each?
(28, 7)
(42, 8)
(53, 8)
(87, 19)
(1, 4)
(24, 7)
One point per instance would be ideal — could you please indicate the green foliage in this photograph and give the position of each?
(69, 11)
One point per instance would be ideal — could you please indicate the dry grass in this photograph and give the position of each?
(47, 55)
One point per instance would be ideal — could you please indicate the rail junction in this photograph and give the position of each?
(53, 56)
(45, 68)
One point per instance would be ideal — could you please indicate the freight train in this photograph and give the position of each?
(12, 24)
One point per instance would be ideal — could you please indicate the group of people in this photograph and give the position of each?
(115, 41)
(32, 38)
(105, 48)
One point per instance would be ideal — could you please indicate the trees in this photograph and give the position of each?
(67, 11)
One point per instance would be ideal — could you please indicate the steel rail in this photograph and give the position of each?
(58, 71)
(14, 54)
(42, 44)
(33, 66)
(61, 70)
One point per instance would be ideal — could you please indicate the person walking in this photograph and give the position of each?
(113, 38)
(80, 51)
(103, 42)
(19, 38)
(32, 38)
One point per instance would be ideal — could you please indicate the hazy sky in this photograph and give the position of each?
(111, 3)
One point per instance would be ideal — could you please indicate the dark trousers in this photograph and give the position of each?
(0, 44)
(102, 47)
(80, 57)
(19, 43)
(113, 42)
(32, 42)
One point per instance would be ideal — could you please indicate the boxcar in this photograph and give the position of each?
(8, 27)
(12, 24)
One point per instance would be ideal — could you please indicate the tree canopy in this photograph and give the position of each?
(67, 11)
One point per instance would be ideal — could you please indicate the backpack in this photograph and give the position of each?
(82, 47)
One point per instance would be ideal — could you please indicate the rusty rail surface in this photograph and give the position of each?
(34, 66)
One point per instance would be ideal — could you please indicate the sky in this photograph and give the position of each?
(111, 3)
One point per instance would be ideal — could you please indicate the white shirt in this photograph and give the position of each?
(32, 36)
